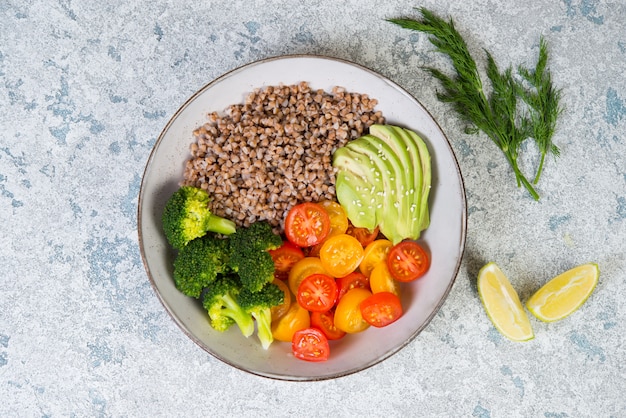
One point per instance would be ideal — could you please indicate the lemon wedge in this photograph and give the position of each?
(502, 304)
(565, 293)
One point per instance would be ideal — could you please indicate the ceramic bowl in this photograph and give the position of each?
(444, 239)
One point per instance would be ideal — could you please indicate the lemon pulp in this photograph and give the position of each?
(565, 293)
(502, 304)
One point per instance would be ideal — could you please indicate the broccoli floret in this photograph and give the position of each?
(259, 306)
(198, 264)
(250, 258)
(186, 216)
(220, 301)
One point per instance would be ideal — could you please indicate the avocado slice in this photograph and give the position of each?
(408, 154)
(426, 178)
(350, 194)
(390, 213)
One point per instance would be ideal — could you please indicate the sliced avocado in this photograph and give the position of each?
(390, 213)
(426, 178)
(354, 195)
(406, 150)
(415, 193)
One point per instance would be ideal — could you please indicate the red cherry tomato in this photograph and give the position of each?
(381, 309)
(307, 224)
(407, 261)
(352, 281)
(325, 322)
(317, 293)
(310, 344)
(284, 258)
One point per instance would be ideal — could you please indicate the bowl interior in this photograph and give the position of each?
(444, 239)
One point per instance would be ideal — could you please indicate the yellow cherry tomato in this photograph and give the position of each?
(279, 310)
(295, 319)
(338, 217)
(348, 317)
(381, 280)
(341, 255)
(374, 253)
(302, 269)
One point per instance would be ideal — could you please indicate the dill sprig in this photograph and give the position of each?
(498, 115)
(543, 100)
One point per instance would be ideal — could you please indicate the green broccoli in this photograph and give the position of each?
(198, 264)
(220, 301)
(186, 216)
(259, 306)
(250, 258)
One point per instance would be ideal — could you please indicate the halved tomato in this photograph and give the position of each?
(295, 319)
(381, 309)
(407, 261)
(302, 269)
(337, 215)
(348, 315)
(284, 258)
(381, 280)
(374, 253)
(307, 224)
(310, 344)
(352, 281)
(317, 293)
(341, 255)
(363, 235)
(325, 322)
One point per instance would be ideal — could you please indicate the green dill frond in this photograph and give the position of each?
(500, 115)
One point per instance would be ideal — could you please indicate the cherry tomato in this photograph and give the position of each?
(351, 281)
(317, 293)
(279, 310)
(381, 280)
(407, 261)
(284, 258)
(374, 253)
(348, 317)
(338, 217)
(341, 255)
(310, 344)
(295, 319)
(381, 309)
(325, 322)
(302, 269)
(363, 235)
(307, 224)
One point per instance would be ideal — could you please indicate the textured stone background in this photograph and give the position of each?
(87, 86)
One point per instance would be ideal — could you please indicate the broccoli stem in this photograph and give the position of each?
(263, 319)
(220, 225)
(234, 311)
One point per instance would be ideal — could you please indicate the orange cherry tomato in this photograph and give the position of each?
(348, 316)
(284, 258)
(317, 293)
(407, 261)
(381, 309)
(341, 255)
(310, 345)
(307, 224)
(374, 253)
(364, 235)
(279, 311)
(302, 269)
(295, 319)
(325, 322)
(352, 281)
(338, 217)
(381, 280)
